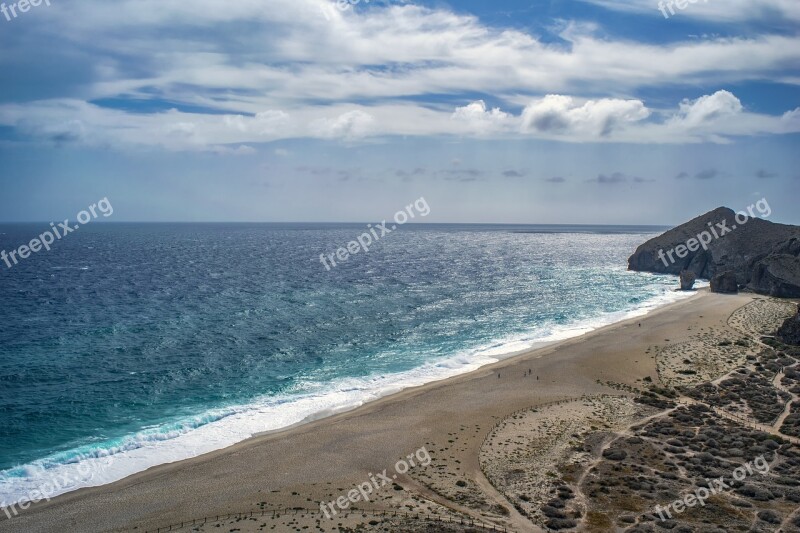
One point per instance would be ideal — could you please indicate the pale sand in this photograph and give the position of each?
(322, 460)
(527, 451)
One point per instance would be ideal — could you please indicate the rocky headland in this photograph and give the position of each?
(762, 256)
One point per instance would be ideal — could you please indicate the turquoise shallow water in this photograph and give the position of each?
(130, 345)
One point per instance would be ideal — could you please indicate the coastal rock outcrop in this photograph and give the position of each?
(762, 255)
(687, 280)
(777, 275)
(725, 283)
(789, 332)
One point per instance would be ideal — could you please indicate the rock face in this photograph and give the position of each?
(789, 333)
(725, 283)
(762, 255)
(777, 275)
(687, 280)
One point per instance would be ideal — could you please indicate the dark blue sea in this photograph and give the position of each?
(132, 345)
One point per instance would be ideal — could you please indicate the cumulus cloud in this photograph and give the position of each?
(264, 123)
(707, 110)
(791, 121)
(718, 118)
(270, 122)
(348, 126)
(558, 114)
(480, 120)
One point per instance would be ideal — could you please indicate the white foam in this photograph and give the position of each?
(221, 428)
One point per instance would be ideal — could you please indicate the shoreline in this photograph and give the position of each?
(479, 358)
(545, 359)
(504, 360)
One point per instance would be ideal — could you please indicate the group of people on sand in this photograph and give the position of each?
(526, 374)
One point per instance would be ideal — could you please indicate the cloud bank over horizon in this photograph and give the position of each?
(265, 82)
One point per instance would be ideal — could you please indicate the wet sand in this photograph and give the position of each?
(322, 460)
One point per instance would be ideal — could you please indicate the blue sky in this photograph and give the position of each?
(595, 111)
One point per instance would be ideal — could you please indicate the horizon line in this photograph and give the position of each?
(589, 224)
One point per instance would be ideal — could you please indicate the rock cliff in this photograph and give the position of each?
(764, 256)
(789, 333)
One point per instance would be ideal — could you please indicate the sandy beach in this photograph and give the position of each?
(400, 266)
(519, 416)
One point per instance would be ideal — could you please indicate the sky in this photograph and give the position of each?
(502, 111)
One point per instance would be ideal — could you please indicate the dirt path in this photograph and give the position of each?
(788, 522)
(614, 437)
(425, 492)
(685, 400)
(788, 409)
(774, 429)
(518, 522)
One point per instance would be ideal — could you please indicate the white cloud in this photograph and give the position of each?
(481, 121)
(349, 126)
(424, 51)
(791, 121)
(373, 72)
(560, 115)
(707, 109)
(264, 123)
(714, 10)
(271, 122)
(718, 118)
(241, 150)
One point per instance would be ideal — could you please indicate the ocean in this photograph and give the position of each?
(132, 345)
